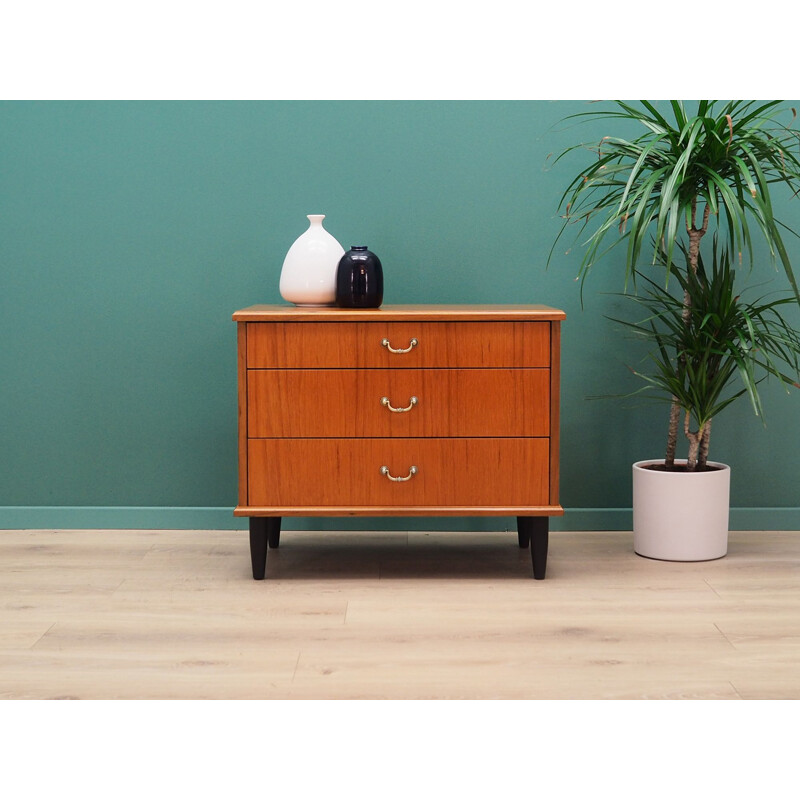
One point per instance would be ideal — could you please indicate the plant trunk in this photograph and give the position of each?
(702, 459)
(695, 439)
(695, 235)
(672, 438)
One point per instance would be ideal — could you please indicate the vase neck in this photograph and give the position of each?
(315, 220)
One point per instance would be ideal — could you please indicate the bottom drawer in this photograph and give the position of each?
(348, 472)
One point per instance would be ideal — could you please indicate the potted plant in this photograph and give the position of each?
(711, 344)
(661, 192)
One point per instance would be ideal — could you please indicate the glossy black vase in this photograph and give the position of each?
(359, 279)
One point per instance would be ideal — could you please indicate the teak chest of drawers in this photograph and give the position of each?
(398, 411)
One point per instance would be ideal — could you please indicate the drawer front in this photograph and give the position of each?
(450, 472)
(332, 345)
(348, 403)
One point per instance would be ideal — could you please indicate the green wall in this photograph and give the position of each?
(130, 231)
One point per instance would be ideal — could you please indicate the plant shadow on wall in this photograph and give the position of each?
(660, 193)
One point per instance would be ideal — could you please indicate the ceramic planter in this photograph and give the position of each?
(681, 516)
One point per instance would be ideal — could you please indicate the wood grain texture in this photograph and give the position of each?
(555, 406)
(466, 313)
(347, 472)
(347, 403)
(393, 615)
(348, 345)
(241, 335)
(400, 511)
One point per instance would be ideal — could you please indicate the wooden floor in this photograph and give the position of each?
(175, 614)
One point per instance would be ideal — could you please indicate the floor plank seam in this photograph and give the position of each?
(738, 694)
(725, 637)
(296, 664)
(43, 635)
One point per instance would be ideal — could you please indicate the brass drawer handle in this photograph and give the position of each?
(411, 473)
(411, 345)
(411, 403)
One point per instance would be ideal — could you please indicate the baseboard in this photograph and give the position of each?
(214, 518)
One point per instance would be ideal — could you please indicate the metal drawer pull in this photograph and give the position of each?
(411, 473)
(412, 344)
(411, 403)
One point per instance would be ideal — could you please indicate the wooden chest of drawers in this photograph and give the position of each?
(398, 411)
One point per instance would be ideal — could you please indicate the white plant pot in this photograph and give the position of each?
(308, 276)
(681, 516)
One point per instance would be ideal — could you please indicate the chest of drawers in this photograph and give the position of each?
(398, 411)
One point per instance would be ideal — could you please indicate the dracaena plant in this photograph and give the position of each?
(714, 348)
(687, 172)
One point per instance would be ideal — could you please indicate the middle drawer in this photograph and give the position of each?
(301, 403)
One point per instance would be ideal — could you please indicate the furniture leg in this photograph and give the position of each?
(524, 538)
(537, 528)
(274, 536)
(262, 531)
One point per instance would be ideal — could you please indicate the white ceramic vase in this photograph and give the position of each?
(308, 276)
(681, 516)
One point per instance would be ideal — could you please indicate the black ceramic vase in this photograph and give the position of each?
(359, 279)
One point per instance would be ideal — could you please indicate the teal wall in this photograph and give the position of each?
(130, 231)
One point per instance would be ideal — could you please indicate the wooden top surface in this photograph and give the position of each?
(455, 313)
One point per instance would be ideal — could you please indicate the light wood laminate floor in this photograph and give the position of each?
(175, 614)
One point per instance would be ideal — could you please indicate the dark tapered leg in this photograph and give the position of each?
(263, 531)
(274, 536)
(524, 538)
(537, 529)
(258, 546)
(539, 541)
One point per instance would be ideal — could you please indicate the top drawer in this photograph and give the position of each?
(365, 345)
